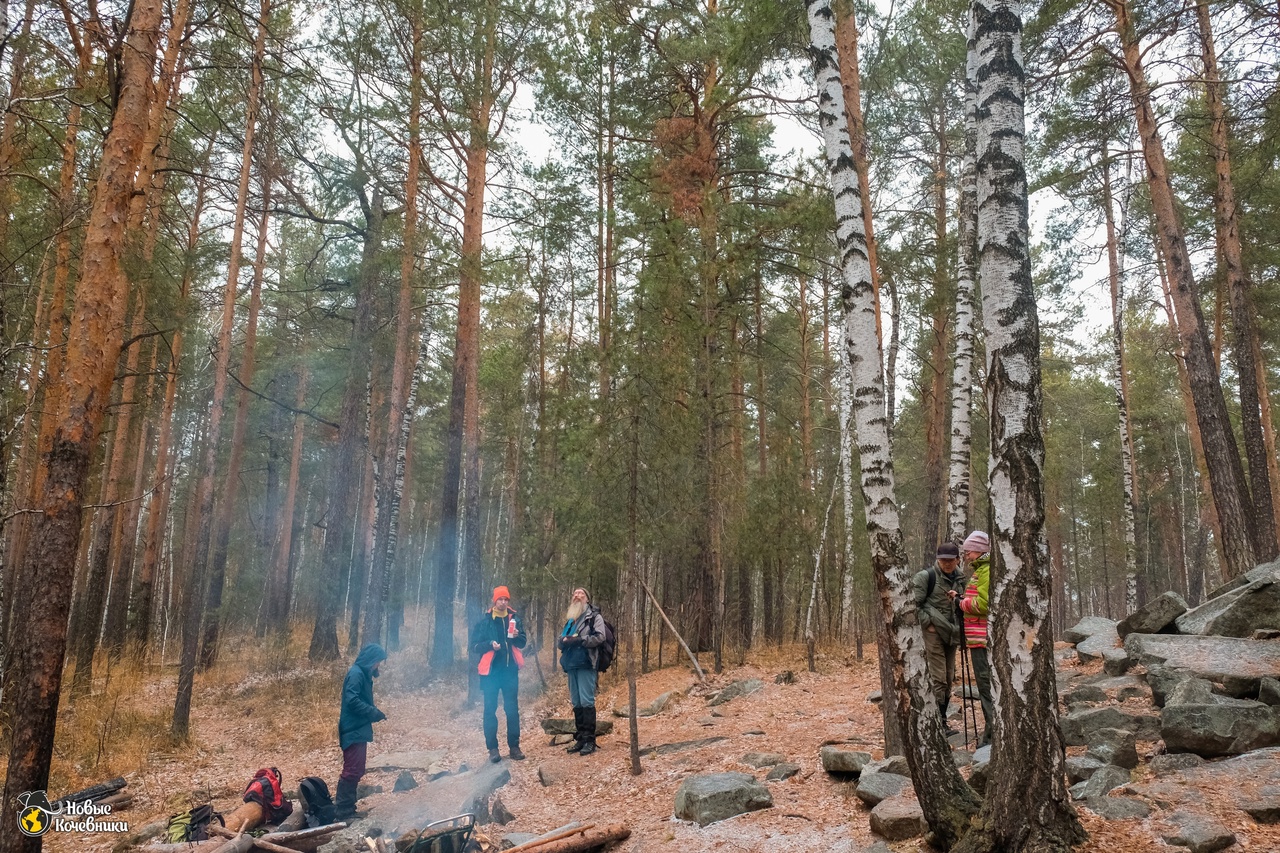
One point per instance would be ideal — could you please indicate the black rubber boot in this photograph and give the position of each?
(942, 710)
(344, 804)
(588, 731)
(577, 731)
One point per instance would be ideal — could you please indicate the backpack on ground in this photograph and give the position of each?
(192, 825)
(266, 791)
(606, 651)
(317, 803)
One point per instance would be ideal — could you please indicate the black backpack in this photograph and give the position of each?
(606, 651)
(317, 804)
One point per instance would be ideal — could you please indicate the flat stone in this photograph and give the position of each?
(1191, 691)
(657, 706)
(1198, 833)
(1081, 767)
(978, 768)
(1219, 729)
(1087, 627)
(1118, 808)
(875, 696)
(565, 726)
(1174, 762)
(1265, 807)
(889, 764)
(1237, 664)
(1113, 746)
(404, 782)
(1238, 613)
(1121, 687)
(1155, 616)
(763, 759)
(782, 772)
(706, 799)
(1096, 645)
(515, 839)
(736, 689)
(455, 794)
(898, 819)
(1269, 691)
(837, 760)
(680, 746)
(875, 788)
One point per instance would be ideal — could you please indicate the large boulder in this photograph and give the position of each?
(1113, 746)
(1237, 664)
(713, 797)
(1087, 627)
(1264, 571)
(1238, 613)
(898, 819)
(1077, 725)
(1154, 616)
(1225, 727)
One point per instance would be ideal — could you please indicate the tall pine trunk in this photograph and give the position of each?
(34, 673)
(1226, 473)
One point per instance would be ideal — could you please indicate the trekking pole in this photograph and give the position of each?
(967, 711)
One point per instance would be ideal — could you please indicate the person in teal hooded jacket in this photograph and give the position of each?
(355, 725)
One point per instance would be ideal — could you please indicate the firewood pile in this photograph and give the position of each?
(570, 838)
(110, 793)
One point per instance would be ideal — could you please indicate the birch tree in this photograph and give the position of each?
(945, 797)
(1026, 805)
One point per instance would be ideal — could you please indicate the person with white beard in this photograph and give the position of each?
(580, 642)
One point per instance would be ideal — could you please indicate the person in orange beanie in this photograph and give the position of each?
(497, 640)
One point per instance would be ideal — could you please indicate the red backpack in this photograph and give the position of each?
(265, 790)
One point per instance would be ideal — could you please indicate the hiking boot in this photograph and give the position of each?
(516, 754)
(495, 756)
(577, 747)
(588, 747)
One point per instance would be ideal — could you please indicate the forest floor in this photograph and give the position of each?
(287, 718)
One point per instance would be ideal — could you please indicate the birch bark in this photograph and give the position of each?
(1026, 806)
(947, 801)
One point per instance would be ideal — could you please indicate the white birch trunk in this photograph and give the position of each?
(958, 502)
(945, 798)
(1026, 806)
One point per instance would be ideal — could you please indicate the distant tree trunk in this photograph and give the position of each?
(401, 370)
(1226, 474)
(1244, 343)
(158, 513)
(344, 492)
(34, 674)
(959, 500)
(1121, 383)
(934, 399)
(231, 481)
(946, 799)
(94, 593)
(1026, 807)
(278, 596)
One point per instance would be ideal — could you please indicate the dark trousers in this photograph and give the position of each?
(507, 682)
(982, 675)
(353, 761)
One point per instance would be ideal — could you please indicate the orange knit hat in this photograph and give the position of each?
(501, 592)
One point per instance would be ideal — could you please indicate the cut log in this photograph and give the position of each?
(579, 840)
(560, 832)
(93, 792)
(118, 802)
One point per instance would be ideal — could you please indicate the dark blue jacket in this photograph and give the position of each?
(355, 722)
(492, 629)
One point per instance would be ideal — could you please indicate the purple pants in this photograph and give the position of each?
(353, 760)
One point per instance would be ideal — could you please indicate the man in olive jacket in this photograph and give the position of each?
(355, 725)
(935, 590)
